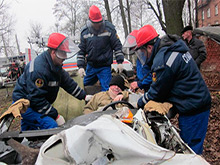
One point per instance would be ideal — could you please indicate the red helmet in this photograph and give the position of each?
(65, 48)
(130, 43)
(134, 33)
(95, 14)
(56, 40)
(145, 34)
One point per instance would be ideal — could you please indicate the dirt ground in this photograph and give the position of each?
(211, 145)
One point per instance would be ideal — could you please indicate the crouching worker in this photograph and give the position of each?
(115, 93)
(40, 84)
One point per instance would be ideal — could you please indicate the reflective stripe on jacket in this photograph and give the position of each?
(177, 79)
(40, 84)
(98, 48)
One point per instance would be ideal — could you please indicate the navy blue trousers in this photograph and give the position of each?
(193, 130)
(102, 74)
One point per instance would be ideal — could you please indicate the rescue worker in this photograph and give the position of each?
(144, 77)
(98, 40)
(176, 79)
(40, 84)
(196, 47)
(115, 93)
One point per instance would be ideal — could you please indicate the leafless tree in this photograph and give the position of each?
(36, 30)
(158, 12)
(123, 17)
(129, 15)
(6, 30)
(190, 13)
(108, 12)
(71, 16)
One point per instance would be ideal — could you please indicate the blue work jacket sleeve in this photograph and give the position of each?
(82, 53)
(146, 82)
(69, 85)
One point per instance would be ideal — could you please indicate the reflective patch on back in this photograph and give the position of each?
(172, 58)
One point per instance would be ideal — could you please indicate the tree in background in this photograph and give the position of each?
(71, 16)
(36, 37)
(7, 47)
(126, 15)
(173, 10)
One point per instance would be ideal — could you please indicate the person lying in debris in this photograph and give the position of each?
(115, 93)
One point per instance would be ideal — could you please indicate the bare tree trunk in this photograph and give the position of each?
(196, 21)
(129, 16)
(123, 17)
(190, 16)
(3, 40)
(108, 11)
(173, 15)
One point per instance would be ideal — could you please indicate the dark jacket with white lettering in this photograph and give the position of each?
(40, 84)
(176, 78)
(98, 46)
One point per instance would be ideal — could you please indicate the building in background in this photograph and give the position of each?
(208, 12)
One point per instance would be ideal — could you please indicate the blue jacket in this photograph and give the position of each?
(97, 47)
(40, 84)
(176, 78)
(144, 77)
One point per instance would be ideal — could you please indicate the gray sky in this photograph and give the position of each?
(31, 11)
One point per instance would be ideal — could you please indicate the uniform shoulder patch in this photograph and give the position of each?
(154, 77)
(39, 82)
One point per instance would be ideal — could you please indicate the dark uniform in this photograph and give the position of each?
(176, 79)
(40, 84)
(96, 48)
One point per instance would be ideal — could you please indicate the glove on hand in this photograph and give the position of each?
(60, 120)
(119, 68)
(161, 108)
(140, 103)
(81, 72)
(88, 98)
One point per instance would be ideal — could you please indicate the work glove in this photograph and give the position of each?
(88, 98)
(120, 68)
(81, 72)
(60, 120)
(161, 108)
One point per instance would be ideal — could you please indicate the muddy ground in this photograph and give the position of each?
(212, 142)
